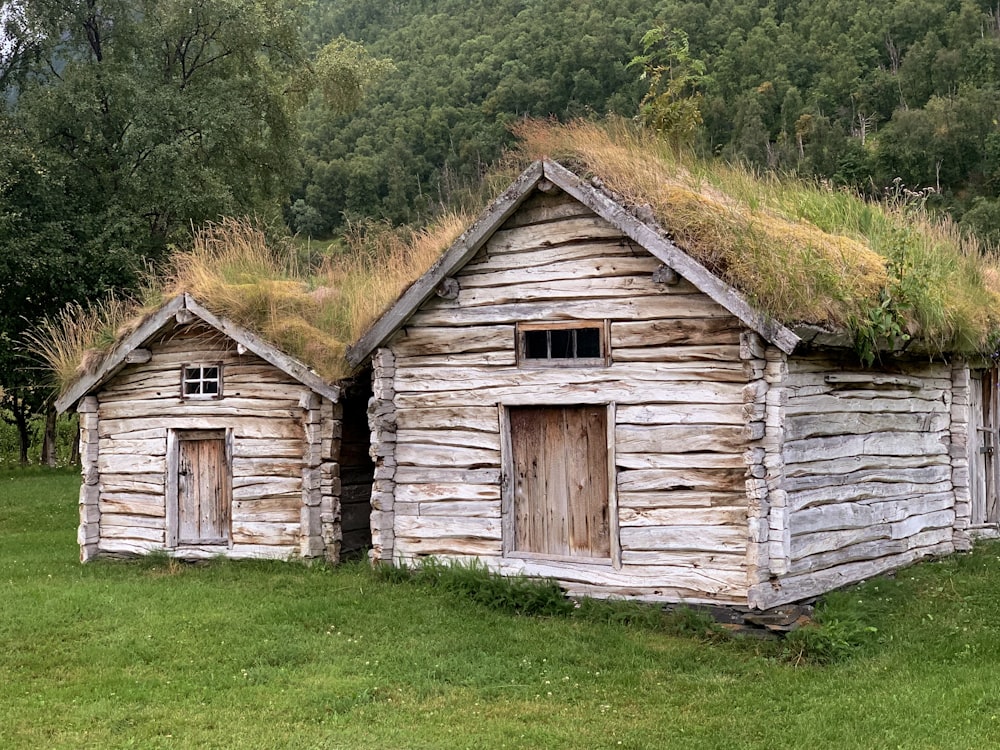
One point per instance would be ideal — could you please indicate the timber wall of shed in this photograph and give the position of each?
(678, 384)
(285, 438)
(867, 472)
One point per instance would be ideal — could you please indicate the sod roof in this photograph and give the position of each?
(883, 276)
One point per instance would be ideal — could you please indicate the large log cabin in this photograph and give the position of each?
(567, 393)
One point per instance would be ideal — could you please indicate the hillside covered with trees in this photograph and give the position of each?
(857, 92)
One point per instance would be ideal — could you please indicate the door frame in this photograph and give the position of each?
(174, 439)
(507, 472)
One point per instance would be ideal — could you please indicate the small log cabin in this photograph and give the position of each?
(200, 439)
(567, 393)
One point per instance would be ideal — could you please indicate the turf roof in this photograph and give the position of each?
(800, 252)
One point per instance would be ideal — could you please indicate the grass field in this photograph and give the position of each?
(237, 655)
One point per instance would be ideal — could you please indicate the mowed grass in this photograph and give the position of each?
(251, 655)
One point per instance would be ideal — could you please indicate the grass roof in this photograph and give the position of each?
(799, 251)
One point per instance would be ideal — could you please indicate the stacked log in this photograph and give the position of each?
(89, 532)
(962, 444)
(867, 471)
(382, 421)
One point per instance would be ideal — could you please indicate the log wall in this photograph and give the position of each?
(866, 469)
(284, 447)
(677, 383)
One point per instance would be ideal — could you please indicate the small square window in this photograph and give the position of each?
(561, 345)
(201, 381)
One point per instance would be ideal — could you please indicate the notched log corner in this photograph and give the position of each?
(448, 288)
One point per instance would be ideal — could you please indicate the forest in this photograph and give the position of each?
(879, 96)
(126, 124)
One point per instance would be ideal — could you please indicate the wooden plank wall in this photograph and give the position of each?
(266, 411)
(867, 471)
(678, 382)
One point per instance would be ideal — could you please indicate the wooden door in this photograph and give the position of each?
(560, 476)
(983, 436)
(203, 488)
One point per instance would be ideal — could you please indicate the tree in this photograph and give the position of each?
(672, 105)
(124, 123)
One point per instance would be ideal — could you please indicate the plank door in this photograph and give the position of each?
(983, 426)
(203, 488)
(560, 478)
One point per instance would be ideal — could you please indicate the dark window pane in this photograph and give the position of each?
(562, 344)
(210, 373)
(210, 387)
(536, 345)
(191, 373)
(588, 343)
(192, 388)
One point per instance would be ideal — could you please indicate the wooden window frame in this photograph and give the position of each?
(507, 530)
(604, 340)
(201, 367)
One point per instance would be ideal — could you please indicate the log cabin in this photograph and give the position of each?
(567, 393)
(200, 439)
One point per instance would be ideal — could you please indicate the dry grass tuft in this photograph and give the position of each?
(72, 342)
(382, 263)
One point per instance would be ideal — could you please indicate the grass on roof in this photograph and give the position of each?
(237, 272)
(799, 251)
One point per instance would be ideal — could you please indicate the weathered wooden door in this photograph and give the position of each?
(983, 426)
(560, 476)
(203, 488)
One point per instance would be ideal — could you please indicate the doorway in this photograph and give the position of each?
(203, 488)
(983, 447)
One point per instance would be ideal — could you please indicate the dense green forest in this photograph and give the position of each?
(857, 92)
(125, 123)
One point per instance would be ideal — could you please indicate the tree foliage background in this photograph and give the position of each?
(123, 123)
(857, 92)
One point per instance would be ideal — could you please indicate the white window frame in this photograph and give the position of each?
(201, 380)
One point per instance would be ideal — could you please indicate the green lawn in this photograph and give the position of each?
(231, 655)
